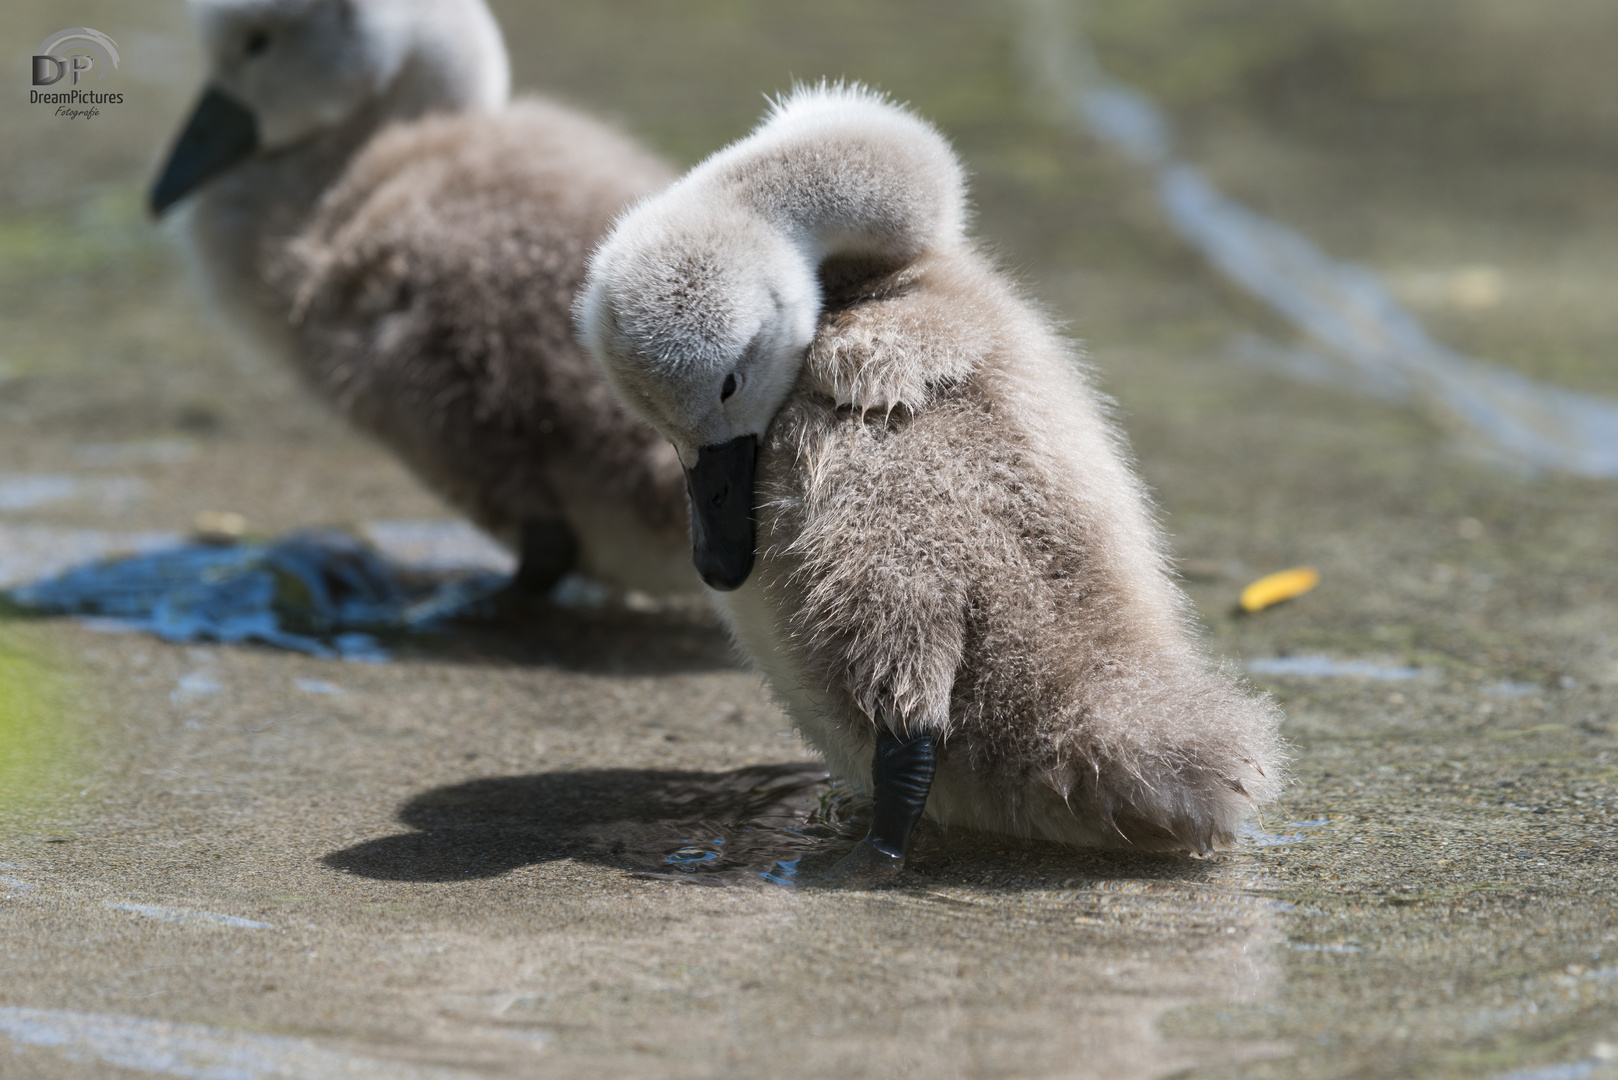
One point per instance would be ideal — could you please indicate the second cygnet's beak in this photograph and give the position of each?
(721, 489)
(221, 132)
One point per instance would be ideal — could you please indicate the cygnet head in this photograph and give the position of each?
(281, 72)
(700, 323)
(703, 301)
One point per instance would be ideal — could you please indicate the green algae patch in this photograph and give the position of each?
(38, 740)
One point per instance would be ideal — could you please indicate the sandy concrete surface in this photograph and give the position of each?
(237, 862)
(440, 855)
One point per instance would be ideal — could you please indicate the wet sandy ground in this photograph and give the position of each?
(255, 860)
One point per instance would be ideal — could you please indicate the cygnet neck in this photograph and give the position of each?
(848, 179)
(440, 73)
(454, 63)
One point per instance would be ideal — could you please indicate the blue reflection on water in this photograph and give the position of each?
(784, 873)
(1326, 667)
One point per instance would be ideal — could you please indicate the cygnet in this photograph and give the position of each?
(366, 204)
(917, 516)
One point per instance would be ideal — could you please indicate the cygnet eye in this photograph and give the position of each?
(729, 388)
(257, 41)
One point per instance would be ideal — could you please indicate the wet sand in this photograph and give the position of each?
(243, 858)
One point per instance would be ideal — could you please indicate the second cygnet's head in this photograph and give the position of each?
(283, 71)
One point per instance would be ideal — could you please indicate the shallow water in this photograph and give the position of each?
(741, 827)
(1373, 345)
(1431, 897)
(1318, 666)
(192, 1050)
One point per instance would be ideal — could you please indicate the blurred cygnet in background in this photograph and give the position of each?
(366, 202)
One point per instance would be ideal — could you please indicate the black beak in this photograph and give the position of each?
(721, 489)
(220, 133)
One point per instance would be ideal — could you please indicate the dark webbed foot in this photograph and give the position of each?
(547, 551)
(867, 864)
(901, 777)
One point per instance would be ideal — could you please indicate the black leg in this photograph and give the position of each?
(901, 777)
(548, 550)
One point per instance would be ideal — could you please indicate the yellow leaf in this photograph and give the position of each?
(1273, 588)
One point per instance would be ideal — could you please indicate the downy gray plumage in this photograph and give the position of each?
(919, 518)
(367, 205)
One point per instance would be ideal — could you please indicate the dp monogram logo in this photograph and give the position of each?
(74, 52)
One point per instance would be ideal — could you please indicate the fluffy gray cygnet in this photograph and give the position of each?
(920, 521)
(368, 206)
